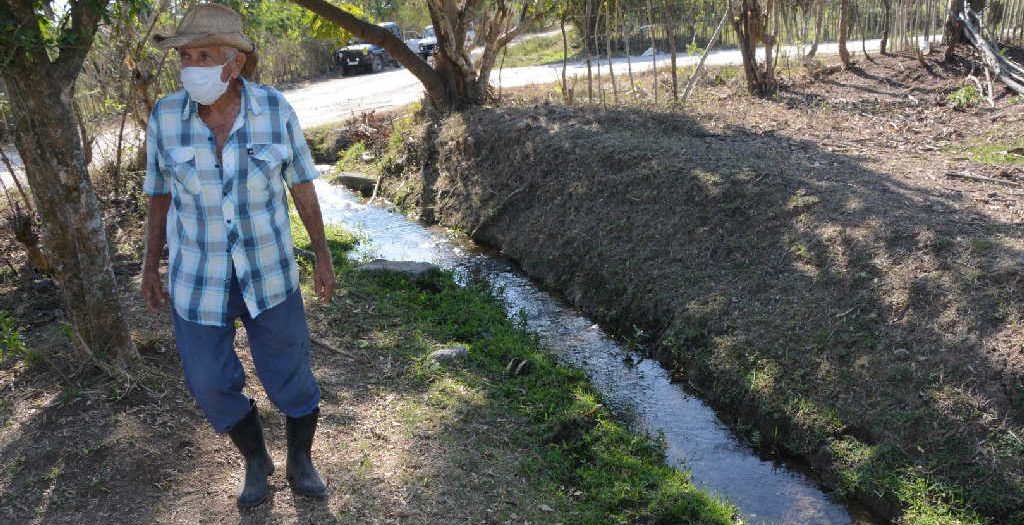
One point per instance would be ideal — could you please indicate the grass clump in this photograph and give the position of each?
(540, 50)
(594, 470)
(12, 343)
(965, 97)
(352, 159)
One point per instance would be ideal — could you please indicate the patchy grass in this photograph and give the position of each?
(541, 50)
(998, 154)
(593, 470)
(386, 148)
(351, 159)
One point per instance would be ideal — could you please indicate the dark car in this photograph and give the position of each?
(359, 55)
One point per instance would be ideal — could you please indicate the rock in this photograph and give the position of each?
(357, 182)
(410, 268)
(450, 353)
(901, 353)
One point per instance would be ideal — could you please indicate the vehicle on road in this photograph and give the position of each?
(363, 56)
(428, 44)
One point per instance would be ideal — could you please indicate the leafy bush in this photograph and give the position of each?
(965, 97)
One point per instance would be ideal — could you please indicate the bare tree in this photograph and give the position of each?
(455, 82)
(819, 21)
(844, 26)
(749, 21)
(886, 22)
(40, 74)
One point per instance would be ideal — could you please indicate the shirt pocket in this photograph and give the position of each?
(181, 162)
(266, 162)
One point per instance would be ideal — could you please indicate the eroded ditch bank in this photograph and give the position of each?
(637, 391)
(827, 312)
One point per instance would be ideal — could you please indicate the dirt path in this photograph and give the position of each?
(391, 450)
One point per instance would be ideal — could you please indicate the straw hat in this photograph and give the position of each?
(208, 25)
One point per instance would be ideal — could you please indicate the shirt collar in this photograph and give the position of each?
(248, 99)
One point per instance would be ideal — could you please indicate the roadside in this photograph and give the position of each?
(834, 268)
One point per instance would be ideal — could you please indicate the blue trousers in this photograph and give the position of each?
(279, 344)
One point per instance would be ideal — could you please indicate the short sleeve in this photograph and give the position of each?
(157, 181)
(301, 167)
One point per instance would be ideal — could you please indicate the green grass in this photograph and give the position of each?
(12, 343)
(998, 153)
(966, 97)
(540, 50)
(593, 465)
(352, 159)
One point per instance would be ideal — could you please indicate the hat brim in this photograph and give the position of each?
(235, 40)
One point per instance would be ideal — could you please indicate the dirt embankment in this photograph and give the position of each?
(804, 262)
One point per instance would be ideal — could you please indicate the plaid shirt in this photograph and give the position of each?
(230, 216)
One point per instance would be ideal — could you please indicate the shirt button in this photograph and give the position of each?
(216, 166)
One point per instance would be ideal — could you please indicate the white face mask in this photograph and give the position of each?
(203, 84)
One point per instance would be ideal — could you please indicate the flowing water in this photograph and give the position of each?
(637, 390)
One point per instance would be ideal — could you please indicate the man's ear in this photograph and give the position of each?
(237, 64)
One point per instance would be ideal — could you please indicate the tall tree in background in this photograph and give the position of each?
(42, 55)
(750, 22)
(886, 22)
(454, 82)
(844, 29)
(819, 24)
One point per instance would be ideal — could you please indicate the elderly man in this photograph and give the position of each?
(220, 155)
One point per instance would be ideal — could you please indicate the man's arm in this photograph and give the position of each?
(153, 290)
(306, 203)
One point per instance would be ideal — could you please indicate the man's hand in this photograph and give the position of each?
(153, 290)
(323, 277)
(304, 195)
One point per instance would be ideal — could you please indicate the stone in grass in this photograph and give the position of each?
(358, 182)
(411, 268)
(450, 354)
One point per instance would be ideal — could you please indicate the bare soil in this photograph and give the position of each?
(838, 268)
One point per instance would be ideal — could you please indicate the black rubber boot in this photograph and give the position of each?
(302, 475)
(247, 435)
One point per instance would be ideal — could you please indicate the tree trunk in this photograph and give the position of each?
(50, 146)
(654, 50)
(707, 50)
(748, 23)
(953, 34)
(41, 93)
(819, 22)
(670, 24)
(608, 49)
(844, 22)
(886, 22)
(567, 92)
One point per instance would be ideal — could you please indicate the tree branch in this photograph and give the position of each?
(85, 18)
(393, 45)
